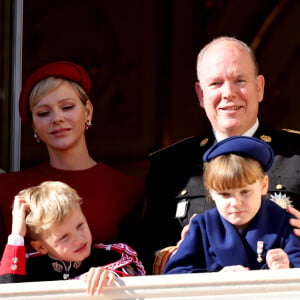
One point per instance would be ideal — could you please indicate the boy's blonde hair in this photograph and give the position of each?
(48, 84)
(231, 171)
(50, 202)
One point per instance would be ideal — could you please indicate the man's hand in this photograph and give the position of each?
(295, 222)
(185, 230)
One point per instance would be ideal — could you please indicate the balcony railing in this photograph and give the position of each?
(268, 284)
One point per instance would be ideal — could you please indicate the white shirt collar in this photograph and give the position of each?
(249, 132)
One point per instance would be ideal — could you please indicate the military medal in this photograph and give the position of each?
(259, 249)
(281, 199)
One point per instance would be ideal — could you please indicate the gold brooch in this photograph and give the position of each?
(266, 138)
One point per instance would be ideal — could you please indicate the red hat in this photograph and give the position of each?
(63, 69)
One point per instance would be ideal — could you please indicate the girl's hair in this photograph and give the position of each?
(49, 84)
(50, 202)
(231, 171)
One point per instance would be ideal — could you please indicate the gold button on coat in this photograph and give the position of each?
(279, 186)
(183, 192)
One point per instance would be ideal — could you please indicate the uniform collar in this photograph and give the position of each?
(249, 132)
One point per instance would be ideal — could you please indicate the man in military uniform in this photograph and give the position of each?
(229, 89)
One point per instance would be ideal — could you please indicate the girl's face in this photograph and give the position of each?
(239, 205)
(59, 118)
(69, 240)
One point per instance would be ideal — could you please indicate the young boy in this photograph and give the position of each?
(51, 215)
(246, 230)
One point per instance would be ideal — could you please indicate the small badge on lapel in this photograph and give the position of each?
(57, 267)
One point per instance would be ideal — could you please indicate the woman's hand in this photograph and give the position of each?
(236, 268)
(185, 230)
(295, 222)
(97, 278)
(19, 213)
(277, 259)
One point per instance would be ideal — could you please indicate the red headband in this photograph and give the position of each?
(63, 69)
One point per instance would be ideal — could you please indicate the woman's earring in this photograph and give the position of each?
(88, 124)
(36, 137)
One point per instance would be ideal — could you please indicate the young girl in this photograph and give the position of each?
(246, 230)
(51, 215)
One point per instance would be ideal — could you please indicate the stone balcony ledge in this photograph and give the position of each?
(266, 284)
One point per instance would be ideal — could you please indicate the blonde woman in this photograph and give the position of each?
(54, 101)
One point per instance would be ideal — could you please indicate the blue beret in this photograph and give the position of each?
(244, 146)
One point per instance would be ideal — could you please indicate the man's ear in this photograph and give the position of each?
(37, 245)
(199, 93)
(260, 83)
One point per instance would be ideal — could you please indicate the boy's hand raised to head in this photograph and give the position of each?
(19, 213)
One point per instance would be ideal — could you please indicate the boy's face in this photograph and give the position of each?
(239, 205)
(69, 240)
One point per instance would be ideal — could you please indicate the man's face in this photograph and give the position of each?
(228, 88)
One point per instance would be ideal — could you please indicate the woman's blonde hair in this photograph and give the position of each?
(49, 84)
(50, 202)
(231, 171)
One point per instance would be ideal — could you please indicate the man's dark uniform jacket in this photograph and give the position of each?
(175, 189)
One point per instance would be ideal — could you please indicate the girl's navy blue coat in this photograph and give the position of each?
(213, 243)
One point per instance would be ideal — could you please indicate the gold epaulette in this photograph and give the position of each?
(291, 130)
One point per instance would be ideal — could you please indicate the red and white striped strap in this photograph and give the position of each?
(128, 256)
